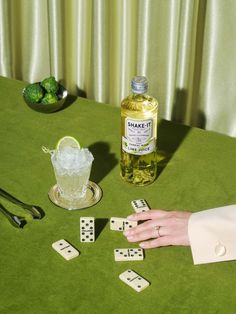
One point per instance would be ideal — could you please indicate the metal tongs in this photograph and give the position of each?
(17, 221)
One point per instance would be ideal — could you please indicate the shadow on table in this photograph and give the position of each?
(104, 161)
(100, 225)
(170, 136)
(71, 98)
(69, 101)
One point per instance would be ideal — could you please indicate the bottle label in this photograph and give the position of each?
(138, 139)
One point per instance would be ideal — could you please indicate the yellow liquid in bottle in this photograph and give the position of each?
(139, 167)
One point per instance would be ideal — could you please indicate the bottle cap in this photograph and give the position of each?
(139, 85)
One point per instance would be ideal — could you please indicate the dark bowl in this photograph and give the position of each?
(48, 108)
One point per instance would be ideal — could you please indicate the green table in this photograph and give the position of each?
(199, 173)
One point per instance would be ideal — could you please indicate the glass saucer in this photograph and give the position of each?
(92, 196)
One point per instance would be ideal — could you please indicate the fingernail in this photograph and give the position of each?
(130, 238)
(143, 245)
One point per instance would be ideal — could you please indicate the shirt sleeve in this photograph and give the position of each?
(212, 235)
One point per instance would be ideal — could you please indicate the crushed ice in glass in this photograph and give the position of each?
(72, 158)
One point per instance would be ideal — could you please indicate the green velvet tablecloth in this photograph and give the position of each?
(198, 173)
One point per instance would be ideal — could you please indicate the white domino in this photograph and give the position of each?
(128, 254)
(134, 280)
(87, 229)
(140, 205)
(65, 249)
(121, 224)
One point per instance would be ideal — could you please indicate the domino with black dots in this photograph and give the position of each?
(87, 229)
(140, 205)
(131, 254)
(65, 249)
(134, 280)
(121, 224)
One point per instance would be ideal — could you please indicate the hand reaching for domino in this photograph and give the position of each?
(161, 228)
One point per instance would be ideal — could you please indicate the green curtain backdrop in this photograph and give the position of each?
(186, 48)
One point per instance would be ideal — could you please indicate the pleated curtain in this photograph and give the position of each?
(186, 48)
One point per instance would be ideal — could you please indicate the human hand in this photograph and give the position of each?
(161, 228)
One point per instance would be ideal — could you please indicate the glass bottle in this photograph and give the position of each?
(139, 134)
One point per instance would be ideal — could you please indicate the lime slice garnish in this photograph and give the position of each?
(67, 141)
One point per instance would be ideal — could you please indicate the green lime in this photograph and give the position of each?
(67, 141)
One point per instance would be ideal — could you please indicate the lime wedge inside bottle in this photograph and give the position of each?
(67, 141)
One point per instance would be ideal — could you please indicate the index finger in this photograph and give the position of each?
(150, 214)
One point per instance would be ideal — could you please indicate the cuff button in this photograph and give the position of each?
(220, 249)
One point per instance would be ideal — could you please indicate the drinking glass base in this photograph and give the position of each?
(92, 196)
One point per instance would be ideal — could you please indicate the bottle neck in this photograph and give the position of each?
(135, 94)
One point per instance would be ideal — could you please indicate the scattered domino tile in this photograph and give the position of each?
(135, 254)
(134, 280)
(65, 249)
(87, 229)
(121, 224)
(140, 205)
